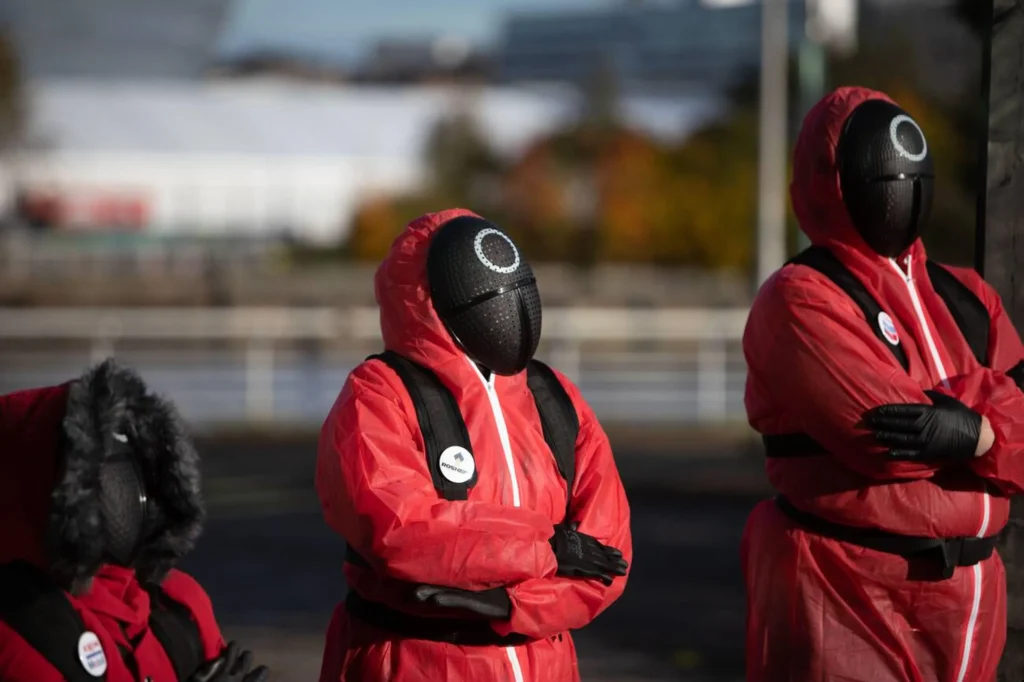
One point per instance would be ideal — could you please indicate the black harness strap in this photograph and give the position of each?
(39, 611)
(972, 319)
(948, 553)
(558, 419)
(178, 634)
(969, 313)
(440, 420)
(442, 426)
(825, 262)
(792, 445)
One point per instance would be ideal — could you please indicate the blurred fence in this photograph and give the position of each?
(286, 365)
(63, 255)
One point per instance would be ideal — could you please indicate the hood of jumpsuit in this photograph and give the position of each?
(409, 324)
(816, 193)
(53, 442)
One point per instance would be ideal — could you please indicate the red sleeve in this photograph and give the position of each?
(995, 395)
(377, 493)
(1005, 349)
(548, 606)
(812, 356)
(184, 589)
(19, 662)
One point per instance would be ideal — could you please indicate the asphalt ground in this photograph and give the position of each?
(273, 568)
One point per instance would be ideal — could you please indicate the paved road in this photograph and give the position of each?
(273, 568)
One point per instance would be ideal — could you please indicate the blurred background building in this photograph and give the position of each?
(680, 45)
(115, 39)
(204, 188)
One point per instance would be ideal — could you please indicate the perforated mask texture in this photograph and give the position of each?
(483, 290)
(886, 176)
(122, 508)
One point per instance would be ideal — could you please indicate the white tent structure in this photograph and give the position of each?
(264, 157)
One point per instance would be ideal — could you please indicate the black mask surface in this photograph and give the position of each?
(886, 176)
(127, 514)
(485, 293)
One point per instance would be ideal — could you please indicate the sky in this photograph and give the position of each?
(345, 28)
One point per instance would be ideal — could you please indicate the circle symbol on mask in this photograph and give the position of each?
(894, 128)
(888, 328)
(90, 653)
(478, 246)
(457, 464)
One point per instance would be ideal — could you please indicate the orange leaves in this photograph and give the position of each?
(614, 195)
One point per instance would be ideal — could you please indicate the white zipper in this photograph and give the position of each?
(499, 419)
(506, 445)
(908, 278)
(971, 623)
(517, 672)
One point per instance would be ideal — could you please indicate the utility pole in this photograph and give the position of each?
(773, 139)
(811, 67)
(999, 250)
(811, 70)
(830, 27)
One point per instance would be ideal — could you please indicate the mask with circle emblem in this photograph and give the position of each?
(485, 293)
(886, 176)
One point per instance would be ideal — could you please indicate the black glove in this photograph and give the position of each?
(581, 556)
(231, 666)
(945, 430)
(1017, 374)
(492, 604)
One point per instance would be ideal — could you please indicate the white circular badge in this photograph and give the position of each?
(90, 653)
(888, 328)
(894, 127)
(478, 246)
(457, 464)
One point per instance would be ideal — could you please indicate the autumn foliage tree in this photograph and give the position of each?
(602, 193)
(599, 191)
(462, 170)
(649, 203)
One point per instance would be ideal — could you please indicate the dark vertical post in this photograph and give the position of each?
(1000, 248)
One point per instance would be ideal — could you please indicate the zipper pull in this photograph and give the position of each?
(904, 272)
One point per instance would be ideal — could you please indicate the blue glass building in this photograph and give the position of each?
(686, 44)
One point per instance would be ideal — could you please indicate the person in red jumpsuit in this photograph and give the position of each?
(456, 296)
(99, 498)
(875, 561)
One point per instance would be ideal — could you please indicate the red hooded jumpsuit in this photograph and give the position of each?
(114, 607)
(376, 491)
(819, 609)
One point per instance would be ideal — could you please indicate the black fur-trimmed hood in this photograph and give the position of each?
(106, 404)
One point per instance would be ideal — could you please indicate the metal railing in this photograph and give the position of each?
(263, 365)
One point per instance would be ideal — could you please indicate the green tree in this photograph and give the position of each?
(459, 160)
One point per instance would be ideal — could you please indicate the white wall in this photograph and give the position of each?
(219, 194)
(262, 156)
